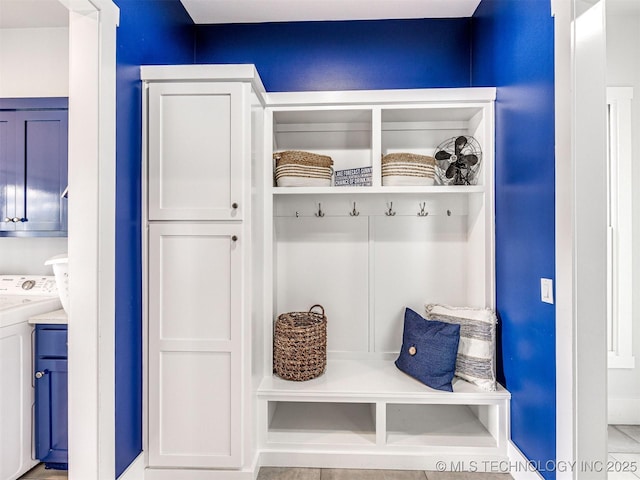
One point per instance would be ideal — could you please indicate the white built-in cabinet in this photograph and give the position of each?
(195, 281)
(227, 251)
(198, 185)
(195, 150)
(365, 253)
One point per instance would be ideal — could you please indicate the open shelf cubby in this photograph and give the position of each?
(344, 134)
(322, 423)
(443, 425)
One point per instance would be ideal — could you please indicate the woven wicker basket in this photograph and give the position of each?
(408, 158)
(407, 169)
(295, 168)
(300, 345)
(298, 157)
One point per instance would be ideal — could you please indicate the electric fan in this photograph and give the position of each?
(458, 161)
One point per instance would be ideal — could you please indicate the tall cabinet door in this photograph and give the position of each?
(42, 151)
(51, 416)
(195, 151)
(7, 170)
(195, 280)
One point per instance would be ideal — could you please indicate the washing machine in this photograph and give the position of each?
(21, 297)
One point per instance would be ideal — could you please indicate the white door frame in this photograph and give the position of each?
(92, 146)
(581, 353)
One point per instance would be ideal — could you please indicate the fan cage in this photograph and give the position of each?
(464, 175)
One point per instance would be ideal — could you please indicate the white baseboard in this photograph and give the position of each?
(623, 411)
(521, 468)
(135, 471)
(195, 474)
(384, 461)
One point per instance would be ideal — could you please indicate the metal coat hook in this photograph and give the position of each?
(354, 212)
(448, 213)
(320, 212)
(422, 212)
(390, 212)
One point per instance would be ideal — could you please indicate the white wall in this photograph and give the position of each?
(26, 256)
(623, 69)
(34, 62)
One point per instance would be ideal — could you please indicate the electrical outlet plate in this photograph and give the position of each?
(546, 290)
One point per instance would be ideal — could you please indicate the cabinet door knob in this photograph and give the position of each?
(40, 374)
(234, 205)
(7, 219)
(234, 238)
(16, 219)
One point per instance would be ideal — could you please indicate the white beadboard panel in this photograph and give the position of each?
(415, 260)
(202, 266)
(194, 412)
(325, 261)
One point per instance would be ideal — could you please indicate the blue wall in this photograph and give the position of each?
(149, 32)
(353, 55)
(507, 43)
(513, 50)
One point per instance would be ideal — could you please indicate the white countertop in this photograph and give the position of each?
(55, 317)
(14, 313)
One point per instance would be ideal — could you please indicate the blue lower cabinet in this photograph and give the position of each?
(51, 431)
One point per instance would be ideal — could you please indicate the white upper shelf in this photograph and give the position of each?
(436, 189)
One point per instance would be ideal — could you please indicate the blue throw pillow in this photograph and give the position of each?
(429, 350)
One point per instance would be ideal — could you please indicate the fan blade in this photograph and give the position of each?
(442, 155)
(460, 142)
(451, 171)
(470, 159)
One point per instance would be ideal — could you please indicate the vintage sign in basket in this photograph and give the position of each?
(300, 345)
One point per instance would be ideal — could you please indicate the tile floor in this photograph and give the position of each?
(272, 473)
(624, 452)
(40, 473)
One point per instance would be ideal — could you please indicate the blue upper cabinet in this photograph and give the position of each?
(33, 167)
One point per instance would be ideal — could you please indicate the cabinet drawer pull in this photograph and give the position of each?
(41, 374)
(234, 238)
(234, 206)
